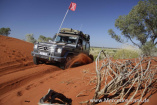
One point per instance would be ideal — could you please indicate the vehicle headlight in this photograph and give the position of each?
(52, 49)
(59, 50)
(35, 46)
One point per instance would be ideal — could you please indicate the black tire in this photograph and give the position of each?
(35, 60)
(91, 57)
(64, 64)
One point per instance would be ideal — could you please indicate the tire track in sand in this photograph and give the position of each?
(14, 80)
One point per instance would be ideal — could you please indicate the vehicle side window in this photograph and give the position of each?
(87, 46)
(79, 42)
(84, 45)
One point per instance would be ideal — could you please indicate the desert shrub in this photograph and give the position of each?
(30, 38)
(95, 53)
(95, 56)
(43, 39)
(114, 51)
(125, 54)
(108, 51)
(149, 49)
(5, 31)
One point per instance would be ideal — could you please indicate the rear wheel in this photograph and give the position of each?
(35, 60)
(91, 57)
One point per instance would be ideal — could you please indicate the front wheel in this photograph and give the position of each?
(66, 63)
(35, 60)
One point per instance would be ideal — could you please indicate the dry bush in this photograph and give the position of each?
(125, 79)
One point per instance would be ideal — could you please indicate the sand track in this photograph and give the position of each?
(16, 79)
(15, 67)
(16, 64)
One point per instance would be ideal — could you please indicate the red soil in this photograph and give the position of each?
(23, 83)
(81, 59)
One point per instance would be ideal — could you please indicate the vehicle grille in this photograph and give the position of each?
(43, 48)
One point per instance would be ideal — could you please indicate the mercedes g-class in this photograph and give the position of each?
(64, 45)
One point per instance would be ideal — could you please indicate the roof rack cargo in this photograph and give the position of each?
(77, 32)
(70, 31)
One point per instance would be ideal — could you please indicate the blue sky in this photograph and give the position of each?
(43, 17)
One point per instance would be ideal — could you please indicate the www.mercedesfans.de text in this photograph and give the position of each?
(118, 100)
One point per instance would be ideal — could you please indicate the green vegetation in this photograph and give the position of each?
(139, 24)
(30, 38)
(5, 31)
(125, 54)
(95, 51)
(149, 49)
(43, 38)
(115, 53)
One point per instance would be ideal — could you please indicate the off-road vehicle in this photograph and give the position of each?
(64, 45)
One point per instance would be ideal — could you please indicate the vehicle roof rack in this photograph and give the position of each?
(75, 32)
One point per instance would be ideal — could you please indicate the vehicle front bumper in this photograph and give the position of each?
(49, 57)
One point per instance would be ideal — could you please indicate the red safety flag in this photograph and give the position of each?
(72, 6)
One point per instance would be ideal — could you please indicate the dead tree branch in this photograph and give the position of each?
(123, 79)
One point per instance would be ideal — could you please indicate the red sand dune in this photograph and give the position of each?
(23, 83)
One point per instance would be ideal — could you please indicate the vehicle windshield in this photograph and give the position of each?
(68, 39)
